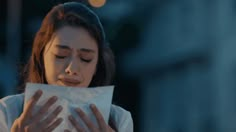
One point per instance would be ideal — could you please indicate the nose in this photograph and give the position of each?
(72, 68)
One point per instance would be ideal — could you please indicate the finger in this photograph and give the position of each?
(112, 126)
(66, 130)
(75, 124)
(110, 129)
(86, 120)
(31, 103)
(41, 113)
(15, 126)
(101, 122)
(52, 116)
(54, 125)
(28, 128)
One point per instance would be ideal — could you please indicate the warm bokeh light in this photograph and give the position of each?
(97, 3)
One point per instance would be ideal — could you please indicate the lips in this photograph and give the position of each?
(70, 82)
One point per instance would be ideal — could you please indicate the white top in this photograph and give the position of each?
(12, 106)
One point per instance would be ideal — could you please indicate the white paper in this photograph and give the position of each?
(70, 98)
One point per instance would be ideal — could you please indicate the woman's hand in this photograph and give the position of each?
(102, 126)
(36, 122)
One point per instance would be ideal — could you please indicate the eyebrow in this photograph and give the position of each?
(87, 50)
(63, 47)
(82, 49)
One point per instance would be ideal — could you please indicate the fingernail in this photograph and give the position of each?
(60, 107)
(54, 97)
(78, 110)
(70, 117)
(92, 106)
(39, 91)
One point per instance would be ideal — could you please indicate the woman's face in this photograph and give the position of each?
(70, 57)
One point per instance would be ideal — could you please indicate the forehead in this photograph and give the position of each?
(74, 37)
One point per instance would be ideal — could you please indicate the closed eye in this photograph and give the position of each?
(60, 57)
(86, 60)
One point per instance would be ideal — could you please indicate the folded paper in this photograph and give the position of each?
(71, 98)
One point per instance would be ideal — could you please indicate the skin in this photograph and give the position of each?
(70, 59)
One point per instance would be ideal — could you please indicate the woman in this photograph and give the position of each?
(68, 50)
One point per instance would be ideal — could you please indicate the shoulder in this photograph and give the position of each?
(119, 111)
(121, 118)
(12, 100)
(10, 108)
(12, 104)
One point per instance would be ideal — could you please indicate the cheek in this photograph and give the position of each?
(52, 68)
(89, 71)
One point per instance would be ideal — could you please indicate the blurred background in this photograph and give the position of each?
(176, 59)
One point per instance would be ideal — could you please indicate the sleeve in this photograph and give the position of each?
(3, 117)
(122, 119)
(10, 109)
(126, 124)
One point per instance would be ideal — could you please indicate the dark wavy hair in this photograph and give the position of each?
(76, 15)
